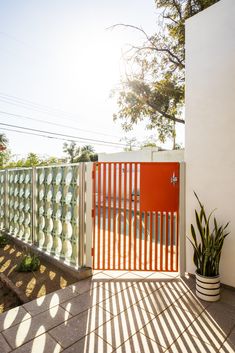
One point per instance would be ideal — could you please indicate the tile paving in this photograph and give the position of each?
(122, 312)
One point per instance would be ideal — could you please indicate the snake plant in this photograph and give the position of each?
(207, 242)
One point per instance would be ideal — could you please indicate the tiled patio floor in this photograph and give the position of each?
(119, 311)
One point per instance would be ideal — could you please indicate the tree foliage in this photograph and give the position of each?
(152, 88)
(77, 154)
(4, 153)
(32, 160)
(72, 151)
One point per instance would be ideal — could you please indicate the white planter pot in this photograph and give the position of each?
(208, 288)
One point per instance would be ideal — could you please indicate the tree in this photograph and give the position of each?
(76, 154)
(84, 157)
(3, 140)
(32, 160)
(87, 154)
(130, 143)
(94, 157)
(152, 88)
(151, 141)
(51, 160)
(4, 151)
(72, 150)
(88, 148)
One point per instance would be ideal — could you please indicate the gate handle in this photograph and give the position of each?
(174, 179)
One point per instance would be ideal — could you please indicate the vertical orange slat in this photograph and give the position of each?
(172, 239)
(140, 240)
(109, 212)
(161, 240)
(94, 212)
(119, 212)
(130, 215)
(140, 228)
(104, 215)
(177, 240)
(135, 209)
(124, 205)
(114, 211)
(156, 241)
(166, 243)
(145, 239)
(98, 223)
(150, 242)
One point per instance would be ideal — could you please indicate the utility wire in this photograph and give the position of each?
(28, 102)
(49, 122)
(50, 137)
(12, 100)
(64, 135)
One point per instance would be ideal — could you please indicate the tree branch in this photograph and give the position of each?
(167, 116)
(178, 8)
(130, 26)
(153, 46)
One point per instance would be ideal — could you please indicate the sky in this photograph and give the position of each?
(58, 65)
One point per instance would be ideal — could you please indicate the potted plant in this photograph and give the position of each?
(207, 242)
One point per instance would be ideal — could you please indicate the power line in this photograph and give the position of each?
(28, 102)
(34, 108)
(64, 135)
(49, 137)
(49, 122)
(12, 38)
(13, 100)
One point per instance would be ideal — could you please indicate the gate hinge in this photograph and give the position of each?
(93, 213)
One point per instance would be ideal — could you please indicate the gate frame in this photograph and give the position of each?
(181, 212)
(181, 226)
(88, 231)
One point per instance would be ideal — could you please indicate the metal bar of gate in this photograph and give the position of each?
(135, 211)
(104, 217)
(130, 215)
(161, 240)
(114, 212)
(119, 213)
(166, 242)
(109, 214)
(94, 214)
(156, 240)
(172, 240)
(140, 240)
(124, 216)
(177, 241)
(151, 242)
(98, 212)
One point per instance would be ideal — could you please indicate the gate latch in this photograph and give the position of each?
(174, 179)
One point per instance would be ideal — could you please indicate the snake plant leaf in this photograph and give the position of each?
(194, 235)
(201, 206)
(199, 224)
(215, 224)
(226, 225)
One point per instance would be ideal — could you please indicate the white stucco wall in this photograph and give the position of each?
(144, 155)
(168, 156)
(210, 122)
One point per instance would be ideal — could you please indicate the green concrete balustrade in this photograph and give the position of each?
(41, 206)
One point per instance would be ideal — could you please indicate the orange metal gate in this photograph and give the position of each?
(135, 216)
